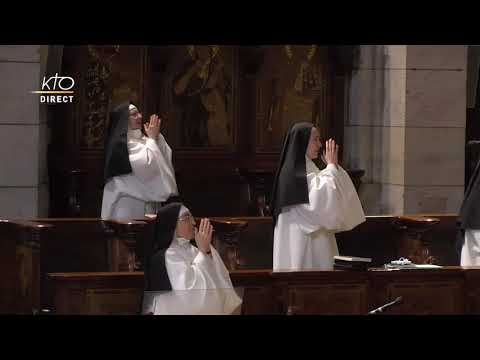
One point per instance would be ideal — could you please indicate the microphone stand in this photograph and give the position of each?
(382, 308)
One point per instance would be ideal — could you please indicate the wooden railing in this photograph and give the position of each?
(91, 245)
(446, 291)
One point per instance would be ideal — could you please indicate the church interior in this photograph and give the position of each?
(405, 118)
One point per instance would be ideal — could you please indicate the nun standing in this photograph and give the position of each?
(309, 205)
(138, 167)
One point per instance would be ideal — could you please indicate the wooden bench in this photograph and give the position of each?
(20, 265)
(446, 291)
(93, 245)
(69, 245)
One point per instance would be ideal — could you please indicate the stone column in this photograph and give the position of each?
(23, 133)
(407, 128)
(435, 128)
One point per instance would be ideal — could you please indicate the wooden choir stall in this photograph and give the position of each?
(90, 266)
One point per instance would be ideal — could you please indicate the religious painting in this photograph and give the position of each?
(197, 96)
(114, 75)
(293, 85)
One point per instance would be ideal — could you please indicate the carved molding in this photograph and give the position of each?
(97, 95)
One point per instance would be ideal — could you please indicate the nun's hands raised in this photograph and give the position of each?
(152, 128)
(203, 236)
(331, 152)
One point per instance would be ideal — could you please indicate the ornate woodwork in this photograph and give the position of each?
(263, 89)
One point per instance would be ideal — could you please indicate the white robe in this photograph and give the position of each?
(152, 179)
(189, 268)
(304, 234)
(200, 283)
(470, 255)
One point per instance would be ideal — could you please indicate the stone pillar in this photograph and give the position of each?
(407, 128)
(435, 128)
(23, 133)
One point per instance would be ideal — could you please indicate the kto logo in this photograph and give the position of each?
(58, 85)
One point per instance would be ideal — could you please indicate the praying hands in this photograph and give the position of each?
(152, 128)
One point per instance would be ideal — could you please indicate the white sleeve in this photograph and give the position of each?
(152, 164)
(199, 274)
(334, 205)
(164, 148)
(223, 280)
(352, 207)
(145, 159)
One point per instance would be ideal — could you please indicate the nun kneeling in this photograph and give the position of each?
(183, 278)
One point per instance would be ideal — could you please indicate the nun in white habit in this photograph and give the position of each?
(186, 274)
(468, 236)
(310, 205)
(138, 167)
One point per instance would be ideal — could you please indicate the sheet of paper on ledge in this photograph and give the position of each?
(412, 266)
(427, 266)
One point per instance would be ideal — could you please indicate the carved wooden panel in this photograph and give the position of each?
(97, 93)
(472, 285)
(120, 293)
(93, 301)
(80, 245)
(323, 292)
(223, 108)
(196, 95)
(257, 300)
(114, 74)
(329, 299)
(69, 302)
(20, 266)
(427, 298)
(293, 84)
(28, 280)
(258, 292)
(113, 301)
(96, 293)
